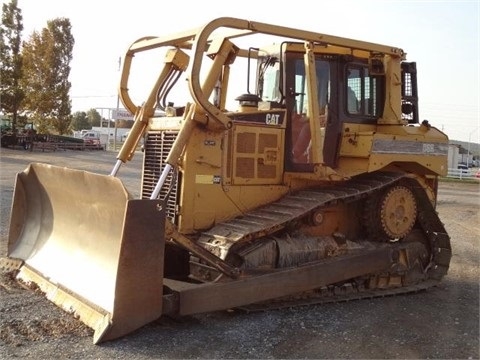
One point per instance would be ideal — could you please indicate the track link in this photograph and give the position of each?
(280, 214)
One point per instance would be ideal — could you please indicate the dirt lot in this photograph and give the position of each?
(441, 323)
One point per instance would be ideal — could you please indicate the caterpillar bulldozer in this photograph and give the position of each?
(315, 181)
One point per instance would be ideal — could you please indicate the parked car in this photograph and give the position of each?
(463, 168)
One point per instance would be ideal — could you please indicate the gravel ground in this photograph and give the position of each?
(440, 323)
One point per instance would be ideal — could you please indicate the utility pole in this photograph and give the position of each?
(118, 106)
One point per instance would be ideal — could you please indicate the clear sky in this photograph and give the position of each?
(442, 37)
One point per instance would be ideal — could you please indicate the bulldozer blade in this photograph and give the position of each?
(92, 249)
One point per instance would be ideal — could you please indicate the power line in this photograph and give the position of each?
(92, 96)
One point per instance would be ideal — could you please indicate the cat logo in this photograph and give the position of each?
(272, 119)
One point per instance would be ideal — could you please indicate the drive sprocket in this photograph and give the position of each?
(391, 214)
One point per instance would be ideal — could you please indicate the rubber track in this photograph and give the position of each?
(278, 215)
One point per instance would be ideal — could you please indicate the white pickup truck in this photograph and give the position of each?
(95, 138)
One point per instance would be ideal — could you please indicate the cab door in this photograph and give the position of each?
(299, 150)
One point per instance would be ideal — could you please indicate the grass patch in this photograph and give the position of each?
(463, 180)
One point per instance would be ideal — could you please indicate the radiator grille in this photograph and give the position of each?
(157, 147)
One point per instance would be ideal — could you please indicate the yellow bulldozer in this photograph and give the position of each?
(295, 173)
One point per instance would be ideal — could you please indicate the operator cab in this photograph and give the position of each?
(346, 92)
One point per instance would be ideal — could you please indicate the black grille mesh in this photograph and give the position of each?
(157, 147)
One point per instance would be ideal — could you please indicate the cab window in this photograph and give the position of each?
(362, 92)
(323, 85)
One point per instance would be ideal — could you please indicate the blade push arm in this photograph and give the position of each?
(175, 61)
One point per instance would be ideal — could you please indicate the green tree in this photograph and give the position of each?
(94, 117)
(46, 64)
(11, 91)
(125, 124)
(80, 121)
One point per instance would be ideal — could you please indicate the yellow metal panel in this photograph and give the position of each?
(423, 149)
(419, 148)
(257, 155)
(357, 140)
